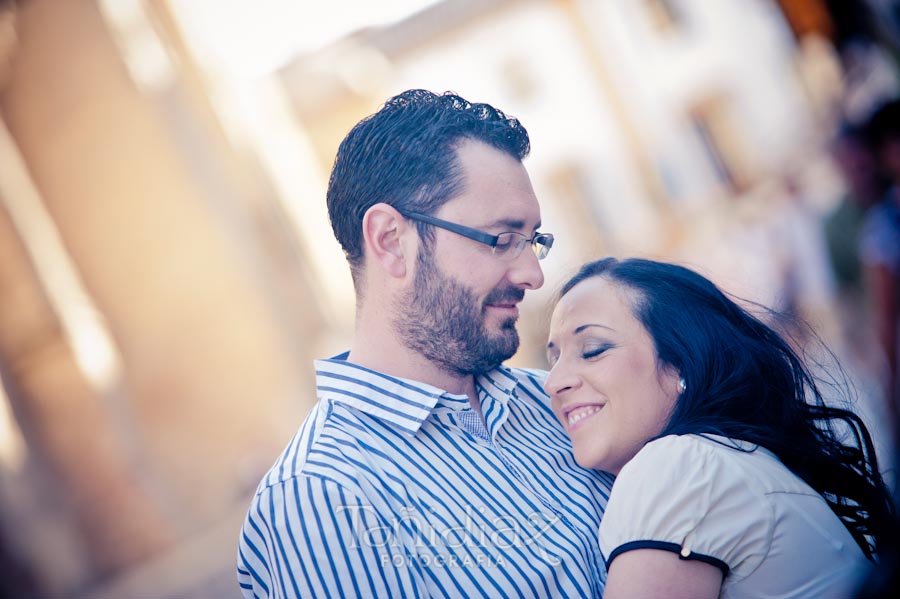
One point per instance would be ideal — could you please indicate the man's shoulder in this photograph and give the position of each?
(324, 448)
(529, 383)
(528, 377)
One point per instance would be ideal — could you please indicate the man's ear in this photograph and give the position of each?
(387, 240)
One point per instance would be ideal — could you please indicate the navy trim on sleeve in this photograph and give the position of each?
(665, 546)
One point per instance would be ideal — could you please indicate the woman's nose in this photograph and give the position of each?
(561, 380)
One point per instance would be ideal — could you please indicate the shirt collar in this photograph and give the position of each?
(403, 402)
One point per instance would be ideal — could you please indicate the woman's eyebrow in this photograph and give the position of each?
(584, 327)
(581, 329)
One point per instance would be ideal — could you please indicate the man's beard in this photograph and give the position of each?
(443, 320)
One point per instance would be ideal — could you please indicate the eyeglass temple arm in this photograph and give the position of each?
(469, 232)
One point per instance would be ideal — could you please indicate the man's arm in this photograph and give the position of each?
(310, 537)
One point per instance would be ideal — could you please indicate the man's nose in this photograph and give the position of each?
(525, 271)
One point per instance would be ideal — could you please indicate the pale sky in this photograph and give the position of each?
(255, 36)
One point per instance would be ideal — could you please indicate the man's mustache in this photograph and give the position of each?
(505, 296)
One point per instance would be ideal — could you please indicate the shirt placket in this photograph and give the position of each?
(492, 440)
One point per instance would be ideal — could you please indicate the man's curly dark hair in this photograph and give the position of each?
(405, 155)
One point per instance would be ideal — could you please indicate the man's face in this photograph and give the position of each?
(446, 321)
(461, 310)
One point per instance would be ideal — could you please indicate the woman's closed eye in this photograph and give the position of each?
(594, 352)
(552, 357)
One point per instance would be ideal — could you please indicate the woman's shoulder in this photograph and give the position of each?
(688, 451)
(697, 457)
(703, 442)
(700, 471)
(688, 491)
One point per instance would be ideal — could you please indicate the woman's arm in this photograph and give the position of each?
(646, 573)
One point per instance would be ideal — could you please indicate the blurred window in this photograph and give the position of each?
(666, 15)
(719, 136)
(581, 203)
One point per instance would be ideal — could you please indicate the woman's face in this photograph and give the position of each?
(606, 384)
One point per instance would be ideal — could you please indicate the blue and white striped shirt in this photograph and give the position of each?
(395, 488)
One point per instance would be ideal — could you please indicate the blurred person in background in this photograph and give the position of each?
(843, 225)
(880, 249)
(427, 468)
(733, 476)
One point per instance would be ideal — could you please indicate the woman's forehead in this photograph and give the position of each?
(597, 299)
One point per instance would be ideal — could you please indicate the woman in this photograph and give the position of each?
(733, 477)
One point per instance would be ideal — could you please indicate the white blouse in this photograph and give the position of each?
(744, 512)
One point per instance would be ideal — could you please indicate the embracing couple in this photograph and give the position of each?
(677, 447)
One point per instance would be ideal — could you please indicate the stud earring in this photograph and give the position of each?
(682, 385)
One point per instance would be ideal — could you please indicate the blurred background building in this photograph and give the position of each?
(168, 272)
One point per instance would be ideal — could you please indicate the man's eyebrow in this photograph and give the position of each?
(511, 224)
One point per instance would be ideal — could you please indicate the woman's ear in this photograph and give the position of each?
(671, 382)
(385, 234)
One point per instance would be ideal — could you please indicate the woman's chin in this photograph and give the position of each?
(588, 460)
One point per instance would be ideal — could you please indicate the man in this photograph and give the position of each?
(426, 468)
(879, 248)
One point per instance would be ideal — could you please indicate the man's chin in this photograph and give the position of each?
(506, 341)
(510, 325)
(499, 326)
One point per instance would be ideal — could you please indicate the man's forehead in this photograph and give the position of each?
(496, 213)
(488, 204)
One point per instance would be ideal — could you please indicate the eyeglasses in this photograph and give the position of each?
(507, 246)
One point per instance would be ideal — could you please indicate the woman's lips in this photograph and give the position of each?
(575, 416)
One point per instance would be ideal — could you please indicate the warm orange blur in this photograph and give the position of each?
(167, 271)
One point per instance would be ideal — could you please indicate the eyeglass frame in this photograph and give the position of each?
(544, 241)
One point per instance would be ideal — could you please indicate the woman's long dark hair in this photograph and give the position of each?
(743, 381)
